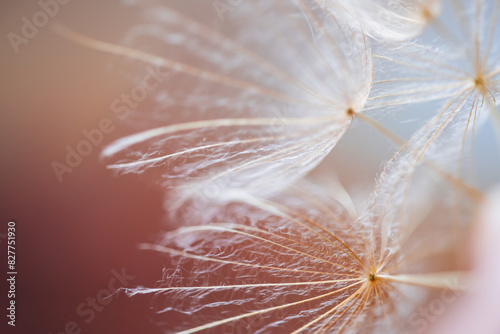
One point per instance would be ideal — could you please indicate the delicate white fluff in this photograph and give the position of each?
(463, 75)
(299, 263)
(265, 94)
(391, 20)
(466, 60)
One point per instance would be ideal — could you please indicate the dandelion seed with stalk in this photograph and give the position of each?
(315, 64)
(463, 75)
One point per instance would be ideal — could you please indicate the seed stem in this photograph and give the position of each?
(454, 280)
(467, 189)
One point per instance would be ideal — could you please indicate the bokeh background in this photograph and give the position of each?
(72, 234)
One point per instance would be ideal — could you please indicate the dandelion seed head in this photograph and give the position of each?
(298, 262)
(461, 75)
(271, 99)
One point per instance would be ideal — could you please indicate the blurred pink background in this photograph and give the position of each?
(70, 234)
